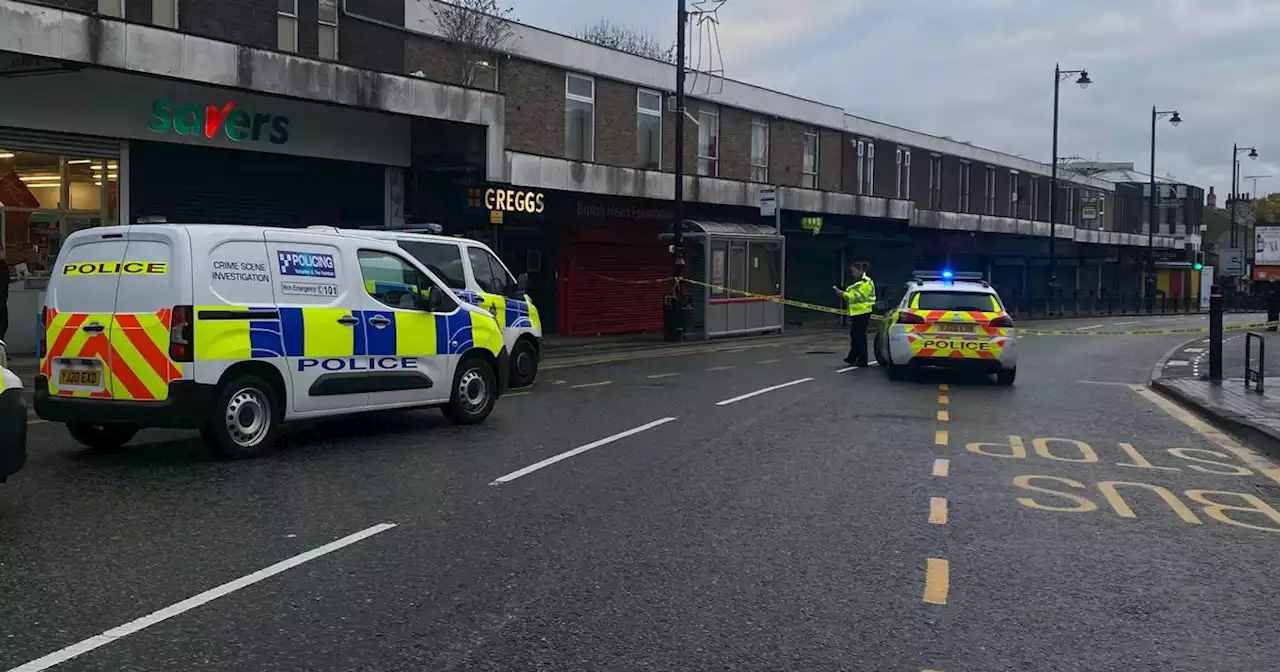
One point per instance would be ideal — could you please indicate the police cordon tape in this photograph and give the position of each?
(1022, 331)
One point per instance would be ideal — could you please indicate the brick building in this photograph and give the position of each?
(590, 129)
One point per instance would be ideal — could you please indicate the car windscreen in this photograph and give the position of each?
(965, 301)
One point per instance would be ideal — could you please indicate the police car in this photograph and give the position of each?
(13, 421)
(948, 320)
(234, 330)
(472, 270)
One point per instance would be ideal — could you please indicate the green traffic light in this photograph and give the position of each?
(1198, 266)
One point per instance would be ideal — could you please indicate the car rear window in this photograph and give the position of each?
(956, 301)
(444, 259)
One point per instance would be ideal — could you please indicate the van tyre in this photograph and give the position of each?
(246, 420)
(475, 386)
(1006, 376)
(102, 437)
(524, 364)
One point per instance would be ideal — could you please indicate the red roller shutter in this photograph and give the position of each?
(605, 272)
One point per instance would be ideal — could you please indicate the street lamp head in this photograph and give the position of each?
(1175, 119)
(1253, 152)
(1084, 80)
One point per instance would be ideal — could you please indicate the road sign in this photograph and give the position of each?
(1232, 261)
(768, 201)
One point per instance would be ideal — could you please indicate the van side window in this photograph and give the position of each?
(395, 283)
(444, 259)
(490, 274)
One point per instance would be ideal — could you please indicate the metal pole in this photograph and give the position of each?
(1053, 187)
(677, 234)
(1149, 282)
(1231, 198)
(1215, 335)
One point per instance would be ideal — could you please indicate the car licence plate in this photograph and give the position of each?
(80, 377)
(955, 327)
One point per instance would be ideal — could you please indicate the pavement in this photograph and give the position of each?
(1183, 374)
(758, 507)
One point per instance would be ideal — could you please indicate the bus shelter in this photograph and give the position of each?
(740, 271)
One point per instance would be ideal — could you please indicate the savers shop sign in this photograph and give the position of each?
(215, 121)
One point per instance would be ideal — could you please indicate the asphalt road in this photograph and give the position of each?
(836, 522)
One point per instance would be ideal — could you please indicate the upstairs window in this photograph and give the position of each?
(287, 25)
(964, 186)
(935, 181)
(649, 130)
(760, 150)
(579, 117)
(991, 191)
(866, 167)
(708, 141)
(1014, 196)
(809, 169)
(328, 19)
(164, 13)
(904, 172)
(111, 8)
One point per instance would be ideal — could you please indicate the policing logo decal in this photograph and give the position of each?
(306, 264)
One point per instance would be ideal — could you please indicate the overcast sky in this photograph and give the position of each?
(982, 70)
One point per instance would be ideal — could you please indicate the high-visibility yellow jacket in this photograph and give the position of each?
(861, 296)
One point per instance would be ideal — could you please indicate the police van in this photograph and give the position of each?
(13, 420)
(234, 330)
(472, 270)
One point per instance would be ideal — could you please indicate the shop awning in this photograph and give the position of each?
(694, 228)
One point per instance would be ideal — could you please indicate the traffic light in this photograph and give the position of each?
(1198, 263)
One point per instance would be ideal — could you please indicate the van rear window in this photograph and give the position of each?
(443, 259)
(979, 301)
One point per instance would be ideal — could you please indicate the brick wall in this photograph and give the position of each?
(535, 108)
(950, 183)
(735, 144)
(309, 28)
(247, 22)
(786, 152)
(830, 160)
(369, 46)
(615, 123)
(137, 11)
(886, 182)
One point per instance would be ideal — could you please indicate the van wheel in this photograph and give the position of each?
(102, 438)
(246, 420)
(1006, 376)
(524, 364)
(474, 388)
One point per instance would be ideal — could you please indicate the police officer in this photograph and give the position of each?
(860, 296)
(4, 293)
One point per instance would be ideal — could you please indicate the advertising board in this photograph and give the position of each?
(1267, 250)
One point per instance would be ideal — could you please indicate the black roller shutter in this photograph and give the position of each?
(222, 186)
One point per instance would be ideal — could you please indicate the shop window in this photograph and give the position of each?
(328, 19)
(443, 259)
(287, 25)
(649, 129)
(46, 197)
(579, 117)
(760, 150)
(111, 8)
(164, 13)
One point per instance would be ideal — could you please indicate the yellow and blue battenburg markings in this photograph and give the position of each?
(511, 313)
(266, 333)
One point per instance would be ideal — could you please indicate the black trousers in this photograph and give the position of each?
(4, 311)
(858, 339)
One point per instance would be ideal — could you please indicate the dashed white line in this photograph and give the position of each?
(137, 625)
(578, 451)
(722, 368)
(1091, 326)
(599, 384)
(1121, 324)
(769, 361)
(1177, 362)
(1193, 349)
(847, 369)
(661, 375)
(759, 392)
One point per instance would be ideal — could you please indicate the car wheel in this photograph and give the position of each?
(246, 420)
(102, 437)
(524, 364)
(474, 392)
(1006, 376)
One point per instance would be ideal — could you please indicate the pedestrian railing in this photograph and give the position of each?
(1252, 376)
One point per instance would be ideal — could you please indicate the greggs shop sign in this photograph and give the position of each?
(498, 199)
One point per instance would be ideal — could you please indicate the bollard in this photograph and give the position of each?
(1215, 335)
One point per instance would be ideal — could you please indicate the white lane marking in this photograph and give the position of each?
(757, 393)
(599, 384)
(1091, 326)
(722, 368)
(734, 351)
(1193, 349)
(1177, 362)
(769, 361)
(1103, 382)
(578, 451)
(134, 626)
(661, 375)
(1121, 324)
(847, 369)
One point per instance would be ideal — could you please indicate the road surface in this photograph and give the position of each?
(750, 509)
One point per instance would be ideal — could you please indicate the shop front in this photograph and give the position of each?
(89, 148)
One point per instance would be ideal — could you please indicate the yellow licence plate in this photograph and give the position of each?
(80, 377)
(955, 327)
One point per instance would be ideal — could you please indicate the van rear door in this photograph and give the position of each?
(79, 305)
(154, 278)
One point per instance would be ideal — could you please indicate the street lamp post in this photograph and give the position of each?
(1235, 182)
(1058, 76)
(676, 332)
(1174, 119)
